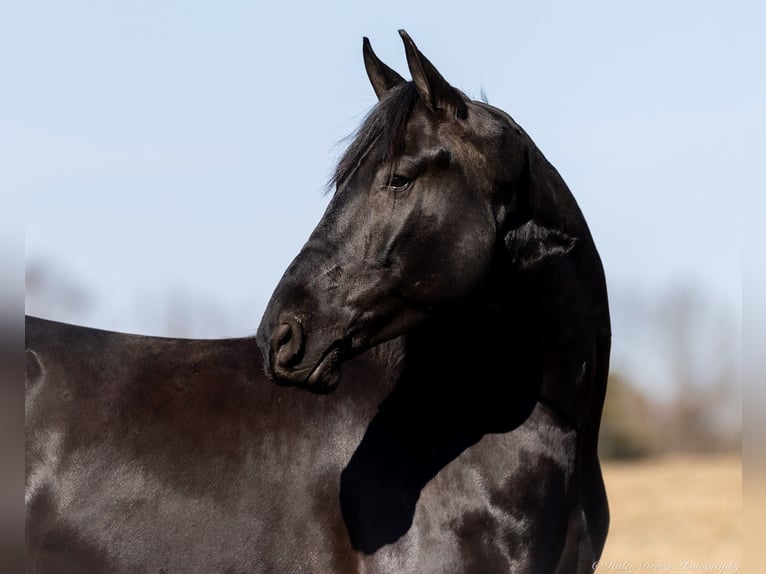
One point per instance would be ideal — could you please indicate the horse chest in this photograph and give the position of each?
(480, 512)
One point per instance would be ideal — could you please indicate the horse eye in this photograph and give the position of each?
(398, 182)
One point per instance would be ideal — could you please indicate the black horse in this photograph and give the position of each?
(454, 280)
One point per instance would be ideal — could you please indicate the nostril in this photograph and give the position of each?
(282, 334)
(287, 342)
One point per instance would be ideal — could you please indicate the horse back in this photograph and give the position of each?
(132, 442)
(174, 455)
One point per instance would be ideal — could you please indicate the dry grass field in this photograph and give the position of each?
(675, 514)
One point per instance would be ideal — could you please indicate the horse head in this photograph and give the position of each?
(433, 200)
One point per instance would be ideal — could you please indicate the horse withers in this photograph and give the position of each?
(450, 314)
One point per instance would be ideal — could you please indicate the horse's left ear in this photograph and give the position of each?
(532, 243)
(381, 76)
(432, 87)
(528, 241)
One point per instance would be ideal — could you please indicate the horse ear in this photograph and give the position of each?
(532, 243)
(529, 242)
(381, 76)
(432, 87)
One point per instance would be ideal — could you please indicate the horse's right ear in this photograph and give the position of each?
(435, 91)
(381, 76)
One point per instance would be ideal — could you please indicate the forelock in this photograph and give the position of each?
(380, 138)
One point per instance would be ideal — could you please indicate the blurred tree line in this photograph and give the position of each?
(697, 349)
(698, 410)
(635, 426)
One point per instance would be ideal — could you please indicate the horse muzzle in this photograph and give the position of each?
(287, 362)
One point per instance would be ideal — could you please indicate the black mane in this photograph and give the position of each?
(382, 130)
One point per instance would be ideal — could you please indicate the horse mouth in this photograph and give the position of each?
(322, 378)
(325, 376)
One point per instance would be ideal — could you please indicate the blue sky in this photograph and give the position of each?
(162, 150)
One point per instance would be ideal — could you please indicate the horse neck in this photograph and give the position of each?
(540, 331)
(567, 297)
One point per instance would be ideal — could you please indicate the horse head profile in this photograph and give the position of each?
(440, 202)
